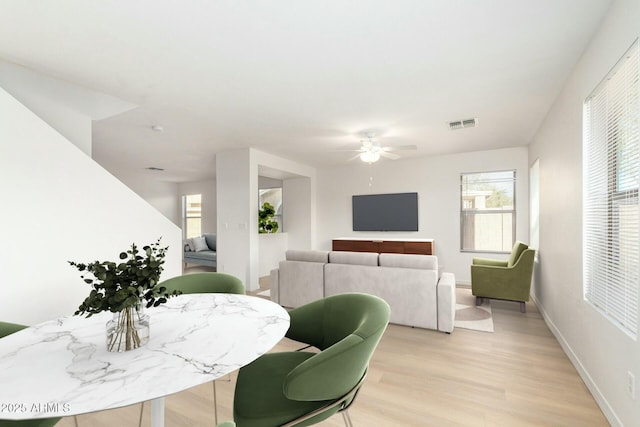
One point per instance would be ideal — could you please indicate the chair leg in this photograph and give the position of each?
(523, 308)
(478, 301)
(75, 420)
(141, 409)
(347, 418)
(215, 404)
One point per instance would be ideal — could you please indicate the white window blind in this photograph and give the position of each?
(611, 210)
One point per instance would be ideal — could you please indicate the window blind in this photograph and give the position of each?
(611, 220)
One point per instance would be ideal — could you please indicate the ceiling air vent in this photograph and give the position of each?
(462, 124)
(153, 168)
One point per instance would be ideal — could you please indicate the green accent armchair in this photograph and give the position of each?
(302, 388)
(507, 280)
(8, 329)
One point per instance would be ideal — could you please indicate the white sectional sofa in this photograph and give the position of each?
(419, 295)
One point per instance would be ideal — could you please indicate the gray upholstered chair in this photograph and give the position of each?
(301, 388)
(8, 329)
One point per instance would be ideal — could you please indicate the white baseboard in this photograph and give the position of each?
(602, 402)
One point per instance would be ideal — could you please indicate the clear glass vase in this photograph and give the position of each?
(128, 330)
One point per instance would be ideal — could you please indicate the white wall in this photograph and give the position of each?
(266, 182)
(437, 181)
(271, 249)
(237, 200)
(68, 108)
(600, 351)
(163, 196)
(209, 203)
(297, 212)
(237, 216)
(60, 205)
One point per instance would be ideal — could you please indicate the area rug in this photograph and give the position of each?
(470, 316)
(266, 293)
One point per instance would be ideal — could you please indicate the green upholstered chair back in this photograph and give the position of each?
(202, 283)
(9, 328)
(347, 329)
(516, 252)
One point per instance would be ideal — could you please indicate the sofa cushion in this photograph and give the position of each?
(200, 244)
(204, 255)
(423, 262)
(308, 256)
(210, 238)
(356, 258)
(190, 244)
(518, 248)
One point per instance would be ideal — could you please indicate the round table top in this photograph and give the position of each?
(62, 367)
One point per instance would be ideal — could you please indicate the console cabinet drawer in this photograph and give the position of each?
(384, 246)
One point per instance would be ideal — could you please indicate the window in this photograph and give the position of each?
(487, 211)
(192, 215)
(611, 172)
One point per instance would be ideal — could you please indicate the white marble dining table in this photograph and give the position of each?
(62, 367)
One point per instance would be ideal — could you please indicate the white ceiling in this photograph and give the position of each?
(302, 78)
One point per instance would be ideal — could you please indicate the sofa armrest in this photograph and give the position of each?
(274, 276)
(446, 302)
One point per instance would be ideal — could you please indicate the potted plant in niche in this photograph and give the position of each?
(266, 224)
(124, 288)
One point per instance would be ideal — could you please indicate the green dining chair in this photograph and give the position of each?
(302, 388)
(204, 283)
(8, 329)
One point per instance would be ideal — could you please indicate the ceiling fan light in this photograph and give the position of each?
(370, 156)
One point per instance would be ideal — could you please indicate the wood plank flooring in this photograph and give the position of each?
(516, 376)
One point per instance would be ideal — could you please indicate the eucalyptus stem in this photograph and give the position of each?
(125, 333)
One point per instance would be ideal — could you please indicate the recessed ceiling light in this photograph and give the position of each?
(153, 168)
(157, 128)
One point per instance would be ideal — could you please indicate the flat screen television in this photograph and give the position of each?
(385, 212)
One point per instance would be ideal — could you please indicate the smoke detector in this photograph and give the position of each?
(463, 124)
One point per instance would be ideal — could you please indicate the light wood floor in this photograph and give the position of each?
(516, 376)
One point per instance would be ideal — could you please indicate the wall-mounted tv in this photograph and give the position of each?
(385, 212)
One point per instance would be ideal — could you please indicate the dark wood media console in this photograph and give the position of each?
(421, 247)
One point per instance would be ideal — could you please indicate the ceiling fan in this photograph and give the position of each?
(370, 151)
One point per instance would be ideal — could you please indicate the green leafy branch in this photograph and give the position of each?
(117, 286)
(266, 224)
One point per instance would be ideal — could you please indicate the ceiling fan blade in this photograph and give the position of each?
(389, 155)
(399, 148)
